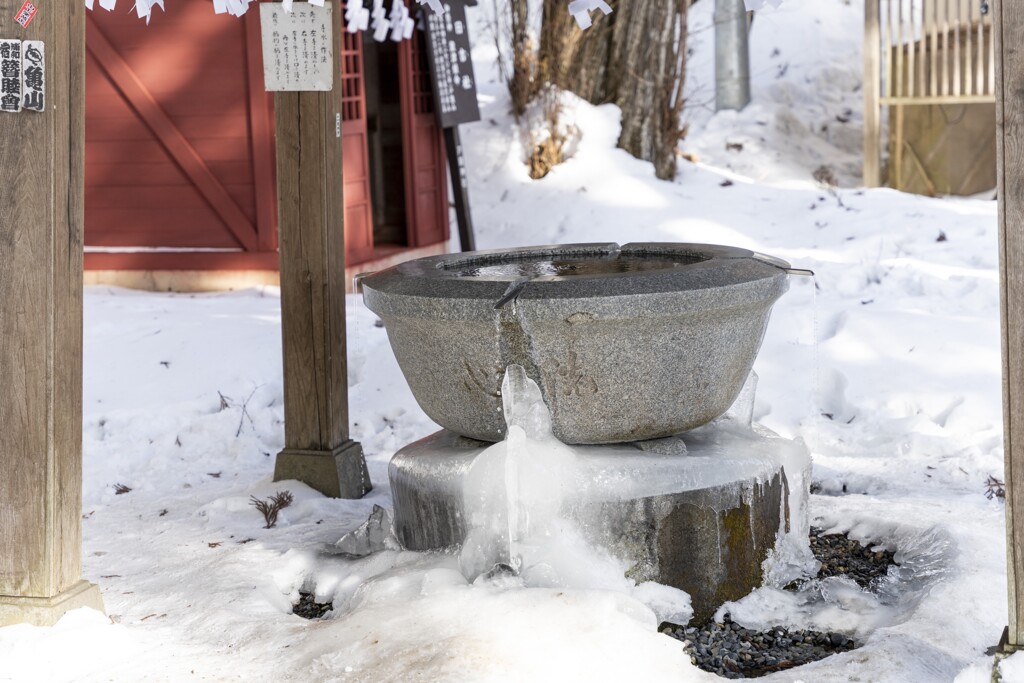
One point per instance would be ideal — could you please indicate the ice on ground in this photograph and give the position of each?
(375, 535)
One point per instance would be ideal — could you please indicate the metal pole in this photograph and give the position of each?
(732, 55)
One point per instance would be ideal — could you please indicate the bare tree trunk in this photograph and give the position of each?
(518, 69)
(634, 57)
(524, 58)
(576, 60)
(649, 56)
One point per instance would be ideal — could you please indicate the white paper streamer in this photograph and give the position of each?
(581, 9)
(434, 5)
(357, 17)
(400, 25)
(399, 15)
(380, 24)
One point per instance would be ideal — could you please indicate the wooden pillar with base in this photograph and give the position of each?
(318, 450)
(41, 220)
(1009, 36)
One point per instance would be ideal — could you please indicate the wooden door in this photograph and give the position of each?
(356, 174)
(426, 175)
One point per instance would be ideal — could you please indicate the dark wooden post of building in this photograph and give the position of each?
(318, 450)
(41, 218)
(1009, 36)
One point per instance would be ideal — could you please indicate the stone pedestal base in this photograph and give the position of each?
(340, 473)
(48, 611)
(701, 517)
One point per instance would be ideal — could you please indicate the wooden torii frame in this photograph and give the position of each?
(41, 237)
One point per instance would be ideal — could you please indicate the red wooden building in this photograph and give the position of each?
(180, 146)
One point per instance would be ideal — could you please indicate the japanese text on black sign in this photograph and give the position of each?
(451, 66)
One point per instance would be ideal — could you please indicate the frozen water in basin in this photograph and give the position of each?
(530, 268)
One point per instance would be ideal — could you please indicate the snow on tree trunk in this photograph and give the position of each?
(634, 57)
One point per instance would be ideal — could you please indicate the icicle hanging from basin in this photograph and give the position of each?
(515, 489)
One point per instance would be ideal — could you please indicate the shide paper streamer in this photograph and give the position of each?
(581, 9)
(144, 8)
(397, 23)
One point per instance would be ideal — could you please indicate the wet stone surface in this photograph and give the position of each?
(731, 651)
(309, 608)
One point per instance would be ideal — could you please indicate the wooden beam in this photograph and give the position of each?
(261, 132)
(1009, 35)
(41, 228)
(896, 129)
(311, 227)
(172, 139)
(181, 260)
(872, 107)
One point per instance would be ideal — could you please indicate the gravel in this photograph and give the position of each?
(731, 651)
(841, 556)
(309, 608)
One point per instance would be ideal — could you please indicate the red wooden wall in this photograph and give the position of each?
(180, 151)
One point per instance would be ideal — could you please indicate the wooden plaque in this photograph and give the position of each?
(298, 47)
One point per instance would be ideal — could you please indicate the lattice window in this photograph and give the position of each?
(352, 76)
(423, 96)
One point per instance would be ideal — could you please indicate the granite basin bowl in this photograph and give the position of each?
(627, 343)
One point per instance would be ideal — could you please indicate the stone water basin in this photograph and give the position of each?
(627, 343)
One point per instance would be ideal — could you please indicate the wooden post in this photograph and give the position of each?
(460, 188)
(1009, 35)
(311, 229)
(41, 217)
(872, 85)
(896, 129)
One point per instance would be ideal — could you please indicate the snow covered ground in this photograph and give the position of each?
(886, 364)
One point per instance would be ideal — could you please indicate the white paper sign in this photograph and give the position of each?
(33, 75)
(10, 75)
(298, 50)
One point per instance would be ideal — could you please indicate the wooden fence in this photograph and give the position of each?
(922, 52)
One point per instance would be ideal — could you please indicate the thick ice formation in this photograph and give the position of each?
(515, 493)
(515, 489)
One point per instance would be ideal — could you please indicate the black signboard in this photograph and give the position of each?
(451, 67)
(454, 85)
